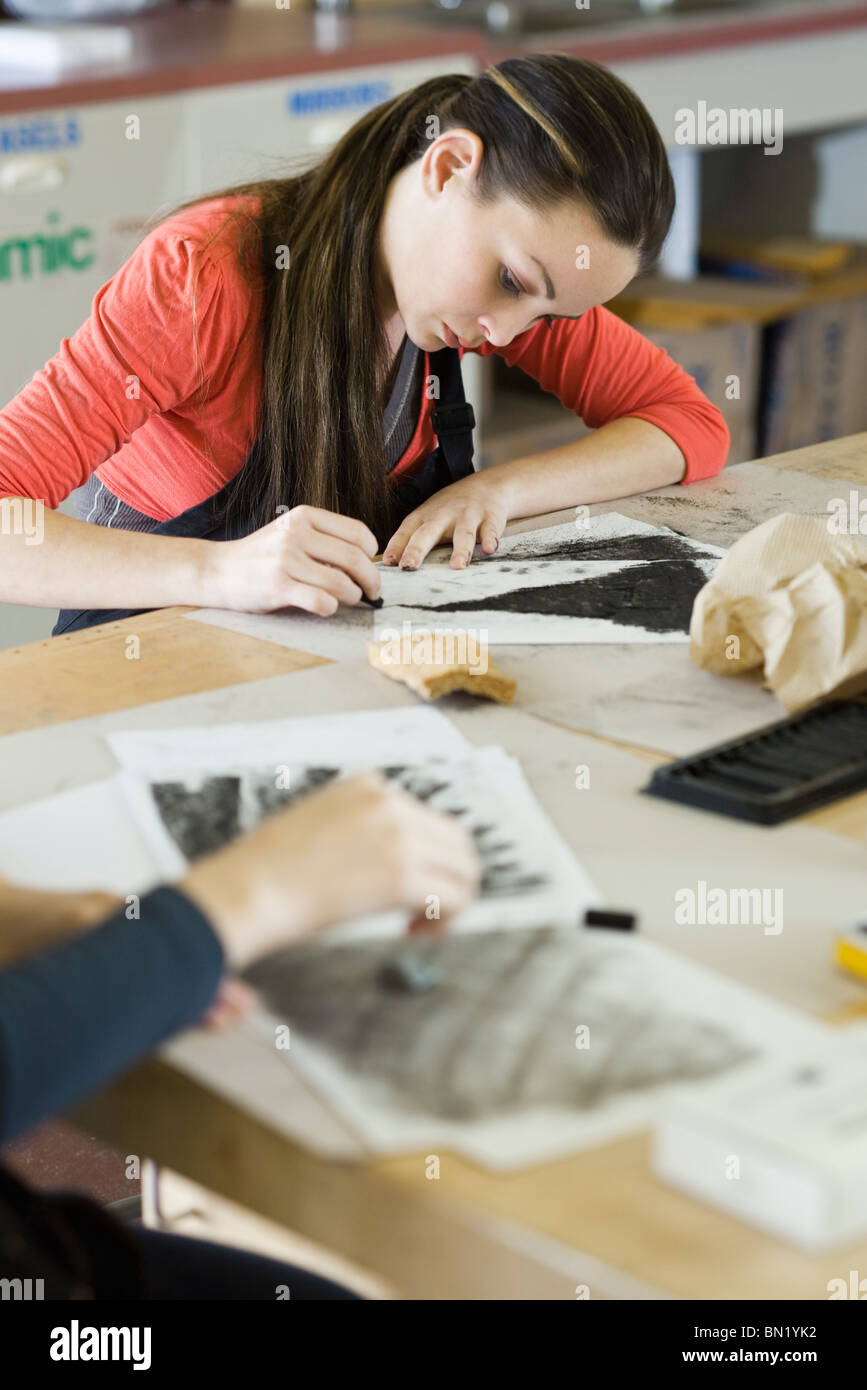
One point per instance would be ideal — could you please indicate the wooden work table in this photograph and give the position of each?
(597, 1218)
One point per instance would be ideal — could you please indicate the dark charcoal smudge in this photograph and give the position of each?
(658, 598)
(665, 547)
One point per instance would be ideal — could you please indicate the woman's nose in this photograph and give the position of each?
(500, 328)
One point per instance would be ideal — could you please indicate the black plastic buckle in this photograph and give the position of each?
(453, 418)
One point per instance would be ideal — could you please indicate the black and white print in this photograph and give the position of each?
(606, 579)
(600, 580)
(192, 794)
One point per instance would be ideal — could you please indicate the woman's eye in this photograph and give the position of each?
(509, 283)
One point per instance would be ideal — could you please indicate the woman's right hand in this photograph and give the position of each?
(357, 846)
(307, 558)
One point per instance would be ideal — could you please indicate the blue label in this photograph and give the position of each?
(316, 99)
(39, 133)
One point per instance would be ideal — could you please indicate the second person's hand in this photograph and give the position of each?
(357, 846)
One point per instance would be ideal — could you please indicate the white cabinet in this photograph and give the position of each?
(259, 129)
(76, 186)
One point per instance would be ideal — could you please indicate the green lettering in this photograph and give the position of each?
(18, 254)
(6, 250)
(68, 252)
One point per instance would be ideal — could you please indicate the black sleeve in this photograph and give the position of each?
(75, 1016)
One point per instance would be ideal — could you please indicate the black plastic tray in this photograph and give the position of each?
(778, 772)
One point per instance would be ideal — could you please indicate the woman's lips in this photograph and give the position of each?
(453, 341)
(449, 338)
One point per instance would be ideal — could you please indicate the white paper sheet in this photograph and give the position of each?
(359, 739)
(646, 696)
(77, 840)
(615, 592)
(529, 875)
(526, 1046)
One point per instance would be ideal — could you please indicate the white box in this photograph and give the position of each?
(781, 1145)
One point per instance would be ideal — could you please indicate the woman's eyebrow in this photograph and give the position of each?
(550, 293)
(549, 288)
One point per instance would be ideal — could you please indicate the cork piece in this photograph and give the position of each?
(432, 668)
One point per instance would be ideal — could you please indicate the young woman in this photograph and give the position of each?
(77, 1007)
(277, 367)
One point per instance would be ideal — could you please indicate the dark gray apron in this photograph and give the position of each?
(453, 423)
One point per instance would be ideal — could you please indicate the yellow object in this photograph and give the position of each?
(850, 952)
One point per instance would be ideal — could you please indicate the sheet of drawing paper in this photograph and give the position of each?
(78, 839)
(511, 1048)
(650, 696)
(351, 739)
(645, 694)
(605, 578)
(717, 511)
(528, 875)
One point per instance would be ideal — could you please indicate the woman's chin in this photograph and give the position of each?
(425, 338)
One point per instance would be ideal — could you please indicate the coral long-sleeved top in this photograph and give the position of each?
(125, 396)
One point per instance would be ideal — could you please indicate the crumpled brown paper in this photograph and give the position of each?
(790, 598)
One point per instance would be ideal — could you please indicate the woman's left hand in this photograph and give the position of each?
(470, 511)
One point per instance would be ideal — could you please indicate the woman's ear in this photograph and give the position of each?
(455, 153)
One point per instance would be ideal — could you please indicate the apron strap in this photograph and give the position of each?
(453, 417)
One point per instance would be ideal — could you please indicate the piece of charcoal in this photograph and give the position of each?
(409, 973)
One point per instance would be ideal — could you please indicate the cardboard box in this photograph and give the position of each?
(811, 330)
(815, 365)
(774, 257)
(713, 328)
(814, 357)
(725, 361)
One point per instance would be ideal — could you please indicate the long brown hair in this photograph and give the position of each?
(552, 127)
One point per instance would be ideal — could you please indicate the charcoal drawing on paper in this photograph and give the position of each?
(609, 579)
(495, 1031)
(201, 813)
(602, 579)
